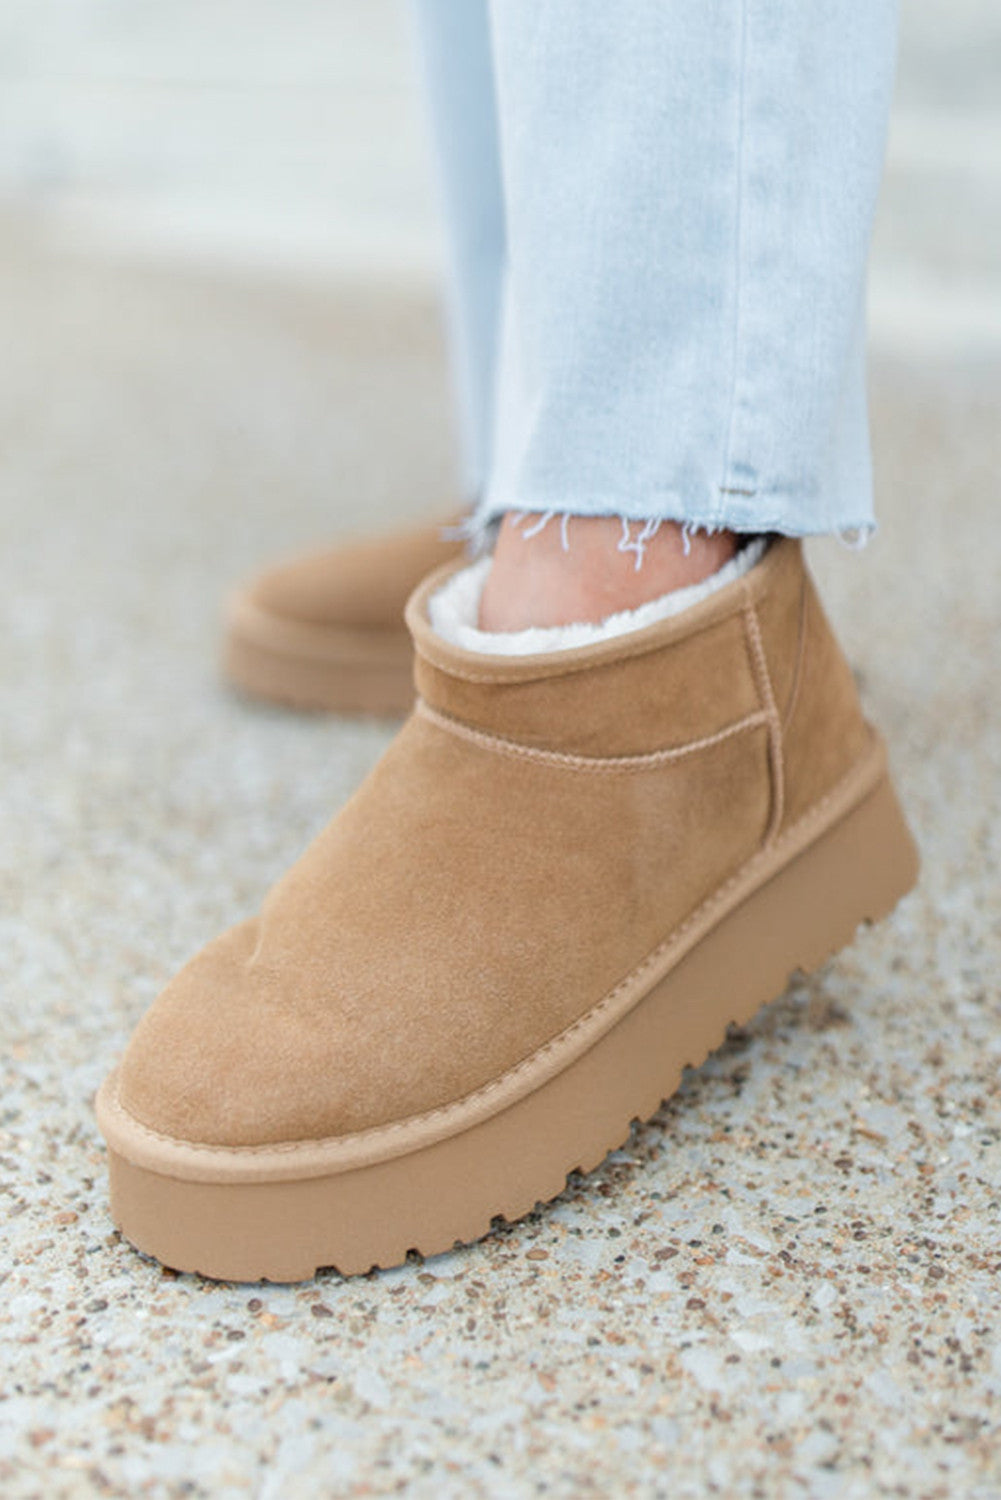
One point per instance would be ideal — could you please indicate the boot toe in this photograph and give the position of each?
(198, 1068)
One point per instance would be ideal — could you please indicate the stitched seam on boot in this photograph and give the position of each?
(797, 676)
(570, 762)
(774, 721)
(718, 898)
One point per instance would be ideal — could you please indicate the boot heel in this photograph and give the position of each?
(855, 874)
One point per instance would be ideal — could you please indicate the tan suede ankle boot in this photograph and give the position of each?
(325, 631)
(564, 879)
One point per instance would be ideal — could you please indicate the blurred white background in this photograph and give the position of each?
(291, 137)
(288, 135)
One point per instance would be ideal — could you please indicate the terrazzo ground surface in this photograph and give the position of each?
(787, 1283)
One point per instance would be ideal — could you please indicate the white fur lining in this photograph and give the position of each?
(455, 609)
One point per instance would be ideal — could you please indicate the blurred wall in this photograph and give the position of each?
(292, 136)
(283, 133)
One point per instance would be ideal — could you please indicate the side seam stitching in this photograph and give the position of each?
(771, 711)
(797, 676)
(568, 761)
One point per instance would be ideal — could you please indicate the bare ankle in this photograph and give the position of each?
(588, 570)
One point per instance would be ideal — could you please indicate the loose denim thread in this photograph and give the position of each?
(536, 528)
(519, 517)
(627, 542)
(478, 534)
(637, 544)
(857, 538)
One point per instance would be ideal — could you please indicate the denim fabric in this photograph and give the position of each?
(681, 223)
(457, 57)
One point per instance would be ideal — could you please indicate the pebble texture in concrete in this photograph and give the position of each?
(788, 1282)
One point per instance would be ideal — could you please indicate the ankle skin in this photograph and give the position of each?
(593, 567)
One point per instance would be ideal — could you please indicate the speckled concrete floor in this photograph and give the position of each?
(789, 1282)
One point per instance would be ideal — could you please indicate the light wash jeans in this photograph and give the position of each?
(659, 214)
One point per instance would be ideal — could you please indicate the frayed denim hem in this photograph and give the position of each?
(479, 529)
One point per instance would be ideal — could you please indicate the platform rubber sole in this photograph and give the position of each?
(317, 668)
(281, 1213)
